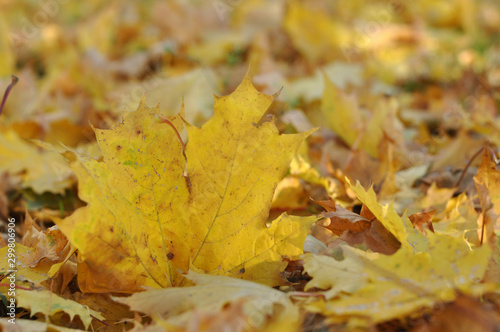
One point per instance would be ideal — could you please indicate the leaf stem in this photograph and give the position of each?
(163, 120)
(459, 181)
(7, 91)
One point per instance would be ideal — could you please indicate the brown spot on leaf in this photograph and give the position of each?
(118, 147)
(170, 256)
(242, 270)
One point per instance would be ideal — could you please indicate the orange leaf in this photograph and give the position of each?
(341, 219)
(422, 221)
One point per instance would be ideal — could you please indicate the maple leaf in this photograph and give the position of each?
(40, 255)
(363, 228)
(178, 305)
(424, 270)
(152, 213)
(44, 301)
(341, 219)
(38, 273)
(49, 245)
(342, 113)
(343, 276)
(42, 171)
(421, 221)
(387, 215)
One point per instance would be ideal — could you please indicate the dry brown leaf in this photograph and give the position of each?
(341, 219)
(50, 245)
(422, 221)
(359, 229)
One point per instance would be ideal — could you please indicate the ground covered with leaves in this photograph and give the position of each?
(344, 177)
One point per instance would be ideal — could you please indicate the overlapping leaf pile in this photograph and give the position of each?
(365, 195)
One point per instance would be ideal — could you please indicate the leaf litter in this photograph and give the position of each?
(364, 195)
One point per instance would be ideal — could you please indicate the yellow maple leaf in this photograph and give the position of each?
(387, 215)
(342, 276)
(178, 306)
(152, 213)
(406, 281)
(42, 171)
(46, 302)
(37, 273)
(425, 270)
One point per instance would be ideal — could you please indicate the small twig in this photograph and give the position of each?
(459, 181)
(7, 91)
(483, 224)
(100, 321)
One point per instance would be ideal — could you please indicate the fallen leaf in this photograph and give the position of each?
(422, 221)
(152, 213)
(385, 214)
(359, 229)
(40, 170)
(487, 182)
(46, 302)
(342, 113)
(334, 276)
(341, 219)
(179, 306)
(423, 271)
(115, 314)
(189, 89)
(39, 268)
(50, 245)
(436, 197)
(375, 238)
